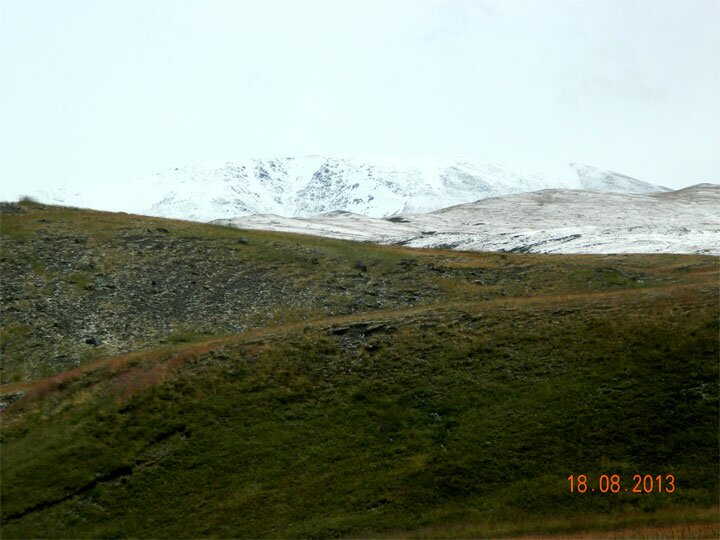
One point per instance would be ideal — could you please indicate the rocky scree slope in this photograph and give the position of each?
(80, 285)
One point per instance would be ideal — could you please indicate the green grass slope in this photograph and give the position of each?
(455, 404)
(81, 285)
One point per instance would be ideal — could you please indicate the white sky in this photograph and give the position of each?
(96, 93)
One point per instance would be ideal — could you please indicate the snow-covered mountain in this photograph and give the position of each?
(471, 204)
(311, 185)
(546, 221)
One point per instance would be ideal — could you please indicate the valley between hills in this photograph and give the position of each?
(170, 379)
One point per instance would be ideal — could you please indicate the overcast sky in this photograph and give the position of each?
(100, 92)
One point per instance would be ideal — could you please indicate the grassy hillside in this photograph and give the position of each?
(303, 387)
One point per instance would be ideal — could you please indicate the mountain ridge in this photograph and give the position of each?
(543, 221)
(311, 185)
(302, 187)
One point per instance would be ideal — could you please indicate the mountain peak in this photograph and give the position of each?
(593, 178)
(379, 187)
(302, 186)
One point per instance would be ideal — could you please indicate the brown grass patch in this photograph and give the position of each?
(129, 373)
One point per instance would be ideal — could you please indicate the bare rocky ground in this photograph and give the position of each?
(70, 296)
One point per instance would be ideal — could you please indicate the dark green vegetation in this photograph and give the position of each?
(305, 395)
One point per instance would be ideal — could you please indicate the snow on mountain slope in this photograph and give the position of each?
(546, 221)
(311, 185)
(596, 179)
(61, 196)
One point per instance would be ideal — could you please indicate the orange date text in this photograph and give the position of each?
(614, 483)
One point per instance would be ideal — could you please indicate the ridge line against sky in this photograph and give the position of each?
(101, 93)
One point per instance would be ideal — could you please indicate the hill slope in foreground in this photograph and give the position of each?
(173, 379)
